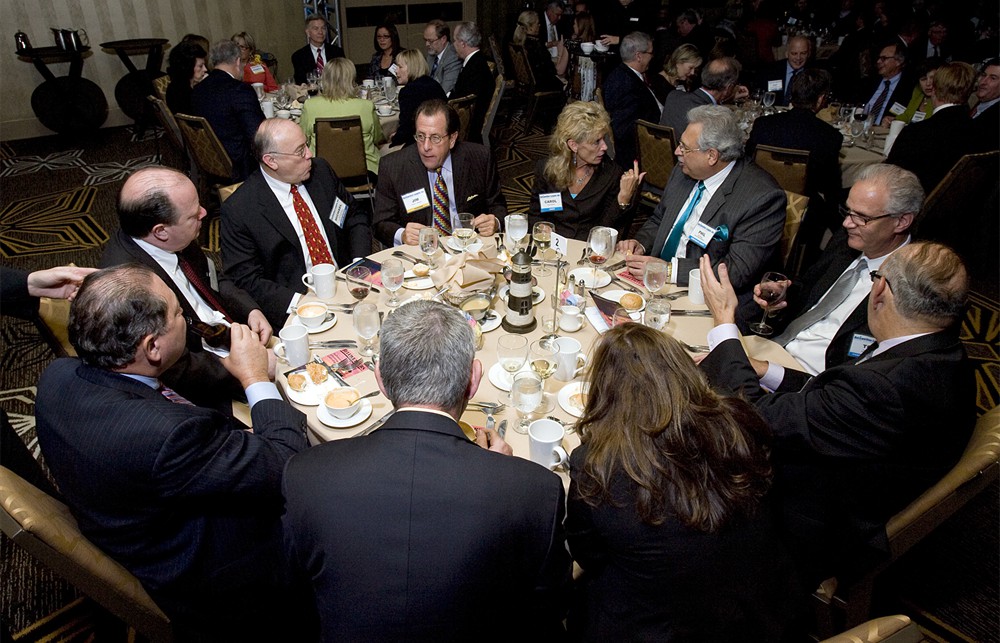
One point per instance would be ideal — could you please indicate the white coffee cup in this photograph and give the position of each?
(368, 82)
(544, 448)
(568, 359)
(383, 110)
(312, 314)
(695, 293)
(294, 345)
(283, 113)
(322, 280)
(570, 318)
(338, 402)
(587, 47)
(259, 89)
(267, 106)
(600, 46)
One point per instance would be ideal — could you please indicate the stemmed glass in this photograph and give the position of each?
(542, 359)
(654, 276)
(366, 325)
(392, 279)
(772, 290)
(857, 128)
(357, 282)
(512, 352)
(768, 101)
(845, 113)
(526, 394)
(428, 243)
(465, 232)
(517, 226)
(600, 248)
(541, 234)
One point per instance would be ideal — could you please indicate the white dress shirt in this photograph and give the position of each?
(712, 184)
(449, 183)
(283, 192)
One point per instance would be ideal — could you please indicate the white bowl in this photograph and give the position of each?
(283, 113)
(587, 47)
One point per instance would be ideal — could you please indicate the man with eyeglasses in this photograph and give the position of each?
(317, 52)
(858, 442)
(441, 55)
(429, 183)
(891, 91)
(628, 96)
(289, 216)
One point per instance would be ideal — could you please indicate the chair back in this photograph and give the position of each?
(787, 166)
(53, 323)
(340, 141)
(46, 529)
(167, 120)
(204, 145)
(497, 55)
(599, 97)
(795, 212)
(226, 191)
(464, 107)
(491, 113)
(885, 629)
(160, 84)
(523, 75)
(656, 154)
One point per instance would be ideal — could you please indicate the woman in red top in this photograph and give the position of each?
(254, 69)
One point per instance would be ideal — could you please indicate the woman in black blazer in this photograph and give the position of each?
(418, 86)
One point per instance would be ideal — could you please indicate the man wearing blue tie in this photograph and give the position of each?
(715, 203)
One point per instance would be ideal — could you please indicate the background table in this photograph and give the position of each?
(132, 89)
(67, 103)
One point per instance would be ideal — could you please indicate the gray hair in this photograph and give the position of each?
(468, 33)
(719, 130)
(224, 51)
(928, 282)
(721, 73)
(903, 187)
(632, 44)
(426, 356)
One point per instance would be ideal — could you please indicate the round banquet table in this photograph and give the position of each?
(692, 330)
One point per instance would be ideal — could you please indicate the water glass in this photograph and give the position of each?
(654, 275)
(526, 394)
(366, 325)
(657, 314)
(392, 279)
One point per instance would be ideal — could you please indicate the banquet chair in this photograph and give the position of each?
(976, 470)
(160, 84)
(525, 79)
(792, 249)
(491, 113)
(885, 629)
(787, 166)
(53, 325)
(45, 528)
(341, 143)
(226, 191)
(169, 125)
(656, 159)
(207, 152)
(464, 106)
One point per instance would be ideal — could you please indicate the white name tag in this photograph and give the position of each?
(702, 235)
(775, 85)
(550, 202)
(917, 117)
(633, 19)
(859, 343)
(338, 213)
(559, 243)
(416, 200)
(257, 69)
(393, 69)
(897, 109)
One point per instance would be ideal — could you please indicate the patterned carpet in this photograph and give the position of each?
(57, 206)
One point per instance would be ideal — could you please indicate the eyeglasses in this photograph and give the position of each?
(429, 41)
(875, 275)
(861, 220)
(684, 149)
(436, 139)
(300, 152)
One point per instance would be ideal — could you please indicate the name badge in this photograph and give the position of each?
(416, 200)
(917, 117)
(859, 343)
(393, 69)
(775, 85)
(558, 243)
(550, 202)
(702, 235)
(897, 109)
(338, 213)
(257, 69)
(635, 19)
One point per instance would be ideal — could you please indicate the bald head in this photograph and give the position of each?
(798, 52)
(145, 200)
(281, 148)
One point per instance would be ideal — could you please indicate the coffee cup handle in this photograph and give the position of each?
(561, 456)
(580, 357)
(307, 280)
(281, 355)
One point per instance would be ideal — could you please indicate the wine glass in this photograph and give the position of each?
(517, 226)
(857, 129)
(768, 101)
(465, 232)
(428, 243)
(526, 394)
(599, 241)
(845, 113)
(357, 282)
(542, 360)
(512, 352)
(657, 314)
(654, 275)
(392, 279)
(366, 325)
(772, 290)
(541, 234)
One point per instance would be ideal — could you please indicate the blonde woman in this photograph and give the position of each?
(417, 86)
(546, 72)
(591, 188)
(254, 69)
(339, 98)
(677, 73)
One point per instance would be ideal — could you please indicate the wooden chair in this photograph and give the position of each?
(976, 470)
(464, 107)
(656, 159)
(524, 76)
(45, 528)
(169, 125)
(53, 325)
(491, 113)
(787, 166)
(887, 629)
(226, 191)
(160, 84)
(209, 156)
(791, 250)
(341, 142)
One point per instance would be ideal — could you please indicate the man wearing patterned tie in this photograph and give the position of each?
(290, 216)
(185, 497)
(716, 203)
(429, 183)
(858, 442)
(317, 51)
(442, 59)
(160, 220)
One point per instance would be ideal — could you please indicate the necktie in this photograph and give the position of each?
(788, 87)
(442, 216)
(318, 251)
(203, 289)
(319, 61)
(974, 111)
(833, 298)
(876, 110)
(674, 240)
(434, 67)
(173, 395)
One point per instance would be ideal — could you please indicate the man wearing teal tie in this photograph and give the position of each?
(715, 203)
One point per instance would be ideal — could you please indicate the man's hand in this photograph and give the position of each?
(486, 225)
(490, 440)
(719, 294)
(61, 282)
(630, 247)
(247, 360)
(637, 264)
(411, 233)
(740, 92)
(773, 307)
(609, 40)
(258, 324)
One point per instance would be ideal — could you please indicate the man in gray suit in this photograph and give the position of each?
(718, 85)
(715, 203)
(441, 55)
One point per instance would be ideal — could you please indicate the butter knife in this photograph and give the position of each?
(333, 373)
(370, 286)
(692, 313)
(615, 266)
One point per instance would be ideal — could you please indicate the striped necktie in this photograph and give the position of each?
(173, 395)
(674, 240)
(319, 61)
(210, 296)
(876, 110)
(440, 207)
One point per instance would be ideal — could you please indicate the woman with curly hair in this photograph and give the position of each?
(666, 512)
(387, 47)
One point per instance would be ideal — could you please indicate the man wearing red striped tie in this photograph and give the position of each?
(317, 52)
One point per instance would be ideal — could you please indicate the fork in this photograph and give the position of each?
(583, 257)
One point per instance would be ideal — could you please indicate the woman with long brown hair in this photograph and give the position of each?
(666, 510)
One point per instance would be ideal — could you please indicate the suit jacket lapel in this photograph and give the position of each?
(271, 209)
(708, 215)
(678, 191)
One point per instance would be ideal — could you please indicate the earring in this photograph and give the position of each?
(574, 159)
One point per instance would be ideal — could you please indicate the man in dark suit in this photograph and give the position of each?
(442, 58)
(230, 106)
(476, 78)
(317, 51)
(891, 91)
(628, 97)
(715, 203)
(442, 530)
(934, 44)
(777, 77)
(290, 216)
(718, 85)
(931, 147)
(856, 443)
(160, 219)
(986, 113)
(185, 497)
(429, 183)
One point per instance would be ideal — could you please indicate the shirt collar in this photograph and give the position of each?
(276, 185)
(713, 182)
(151, 382)
(714, 102)
(160, 255)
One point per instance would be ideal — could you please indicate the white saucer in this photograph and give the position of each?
(313, 393)
(416, 284)
(587, 276)
(327, 325)
(490, 322)
(501, 378)
(618, 294)
(475, 246)
(363, 414)
(567, 392)
(537, 294)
